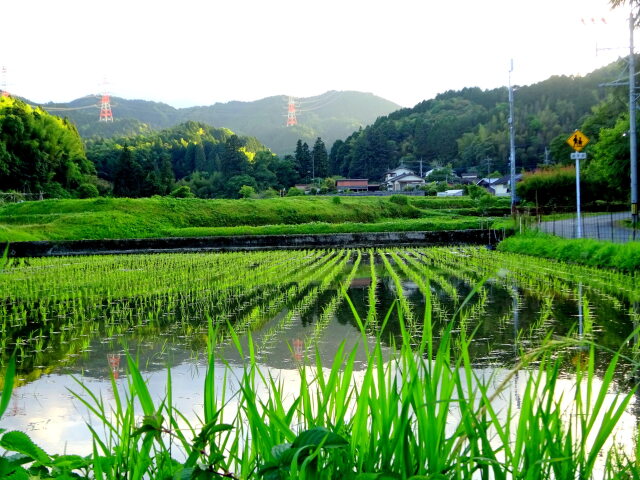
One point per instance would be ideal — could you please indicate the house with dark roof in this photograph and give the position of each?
(352, 184)
(502, 186)
(402, 178)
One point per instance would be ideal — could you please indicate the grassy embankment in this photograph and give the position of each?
(595, 253)
(105, 218)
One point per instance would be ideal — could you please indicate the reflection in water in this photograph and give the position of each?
(283, 299)
(298, 349)
(113, 360)
(516, 347)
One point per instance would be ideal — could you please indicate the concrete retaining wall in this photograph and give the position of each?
(253, 242)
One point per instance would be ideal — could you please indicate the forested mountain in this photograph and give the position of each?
(331, 115)
(468, 129)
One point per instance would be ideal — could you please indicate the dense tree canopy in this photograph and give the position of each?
(40, 153)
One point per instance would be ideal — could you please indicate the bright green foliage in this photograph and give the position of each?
(610, 164)
(549, 187)
(40, 152)
(247, 191)
(161, 217)
(182, 192)
(625, 256)
(294, 192)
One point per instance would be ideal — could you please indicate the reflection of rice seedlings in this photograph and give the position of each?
(332, 265)
(329, 309)
(423, 261)
(372, 312)
(402, 299)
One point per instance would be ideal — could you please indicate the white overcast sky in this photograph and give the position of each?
(198, 52)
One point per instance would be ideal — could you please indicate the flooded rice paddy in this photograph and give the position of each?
(73, 319)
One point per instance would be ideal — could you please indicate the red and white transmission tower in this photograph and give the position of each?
(3, 88)
(106, 115)
(291, 112)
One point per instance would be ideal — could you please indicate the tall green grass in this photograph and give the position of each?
(423, 411)
(624, 257)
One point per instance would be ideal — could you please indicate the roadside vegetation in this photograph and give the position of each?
(104, 218)
(596, 253)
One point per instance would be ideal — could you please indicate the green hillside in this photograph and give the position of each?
(170, 217)
(330, 116)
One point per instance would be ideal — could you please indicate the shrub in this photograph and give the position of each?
(247, 191)
(269, 193)
(399, 199)
(476, 192)
(336, 200)
(294, 192)
(182, 192)
(88, 190)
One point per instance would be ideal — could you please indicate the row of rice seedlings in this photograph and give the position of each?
(603, 280)
(419, 280)
(467, 264)
(372, 311)
(330, 271)
(128, 276)
(528, 274)
(407, 311)
(417, 259)
(416, 270)
(540, 284)
(330, 308)
(523, 271)
(255, 309)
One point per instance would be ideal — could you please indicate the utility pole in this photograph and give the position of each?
(633, 142)
(512, 146)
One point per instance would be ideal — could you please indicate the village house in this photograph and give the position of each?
(352, 185)
(402, 178)
(502, 186)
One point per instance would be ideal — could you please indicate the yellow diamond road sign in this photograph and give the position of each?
(578, 140)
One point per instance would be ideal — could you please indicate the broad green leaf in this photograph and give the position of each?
(278, 450)
(70, 462)
(317, 436)
(20, 442)
(11, 471)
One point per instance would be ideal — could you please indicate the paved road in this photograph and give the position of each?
(599, 227)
